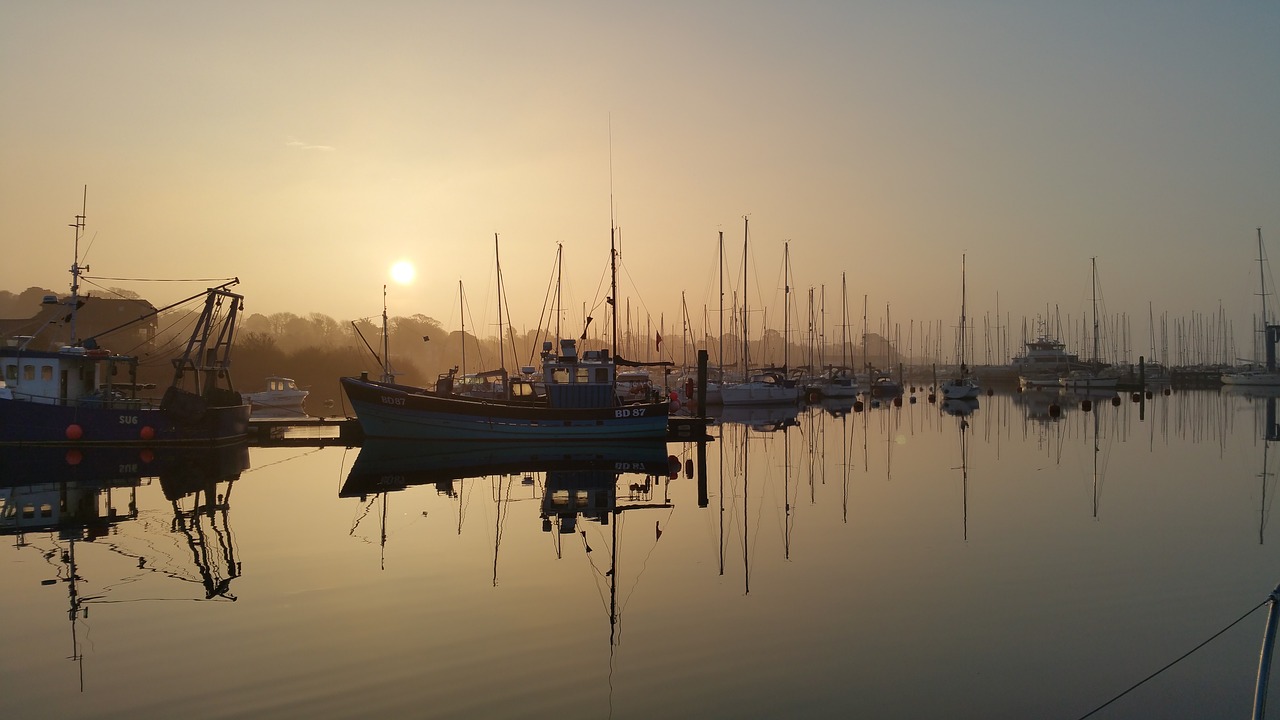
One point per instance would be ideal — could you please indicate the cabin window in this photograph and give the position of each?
(10, 372)
(602, 375)
(560, 375)
(46, 372)
(28, 372)
(46, 510)
(583, 375)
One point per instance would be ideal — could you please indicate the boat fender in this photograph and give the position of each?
(1115, 401)
(932, 398)
(1055, 410)
(74, 432)
(146, 456)
(913, 400)
(1086, 405)
(857, 406)
(74, 456)
(897, 402)
(147, 432)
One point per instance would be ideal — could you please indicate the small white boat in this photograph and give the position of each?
(282, 397)
(766, 388)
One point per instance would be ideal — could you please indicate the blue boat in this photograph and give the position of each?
(578, 402)
(79, 393)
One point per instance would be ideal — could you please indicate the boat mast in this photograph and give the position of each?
(559, 275)
(786, 305)
(720, 250)
(387, 375)
(963, 369)
(844, 325)
(613, 283)
(76, 269)
(502, 356)
(746, 342)
(1096, 358)
(1262, 277)
(462, 314)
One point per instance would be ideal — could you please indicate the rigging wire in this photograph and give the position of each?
(164, 280)
(1184, 656)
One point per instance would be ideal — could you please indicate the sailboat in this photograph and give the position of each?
(963, 386)
(1098, 377)
(768, 387)
(839, 383)
(1269, 376)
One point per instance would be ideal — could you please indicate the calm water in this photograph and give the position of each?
(895, 563)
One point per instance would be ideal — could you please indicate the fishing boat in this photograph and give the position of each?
(579, 401)
(962, 386)
(81, 393)
(1262, 374)
(282, 397)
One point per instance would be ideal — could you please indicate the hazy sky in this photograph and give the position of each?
(306, 146)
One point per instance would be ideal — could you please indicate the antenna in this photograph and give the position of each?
(75, 264)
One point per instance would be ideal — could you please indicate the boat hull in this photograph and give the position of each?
(960, 390)
(25, 422)
(396, 411)
(1252, 379)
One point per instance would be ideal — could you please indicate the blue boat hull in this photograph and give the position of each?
(25, 422)
(397, 411)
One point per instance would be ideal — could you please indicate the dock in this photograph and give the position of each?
(306, 431)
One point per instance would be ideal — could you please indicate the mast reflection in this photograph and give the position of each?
(56, 500)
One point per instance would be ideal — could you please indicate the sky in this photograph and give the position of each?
(306, 147)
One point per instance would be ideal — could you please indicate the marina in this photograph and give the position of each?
(1021, 562)
(569, 471)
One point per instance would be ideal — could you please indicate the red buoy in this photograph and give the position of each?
(74, 432)
(147, 432)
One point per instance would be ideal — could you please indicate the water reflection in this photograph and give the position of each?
(576, 483)
(55, 499)
(851, 515)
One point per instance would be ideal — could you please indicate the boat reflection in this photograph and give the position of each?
(959, 407)
(386, 465)
(581, 486)
(761, 418)
(55, 500)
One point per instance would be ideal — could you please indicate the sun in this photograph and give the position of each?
(402, 272)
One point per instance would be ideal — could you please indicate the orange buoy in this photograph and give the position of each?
(147, 432)
(74, 432)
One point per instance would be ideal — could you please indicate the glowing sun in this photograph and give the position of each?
(402, 272)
